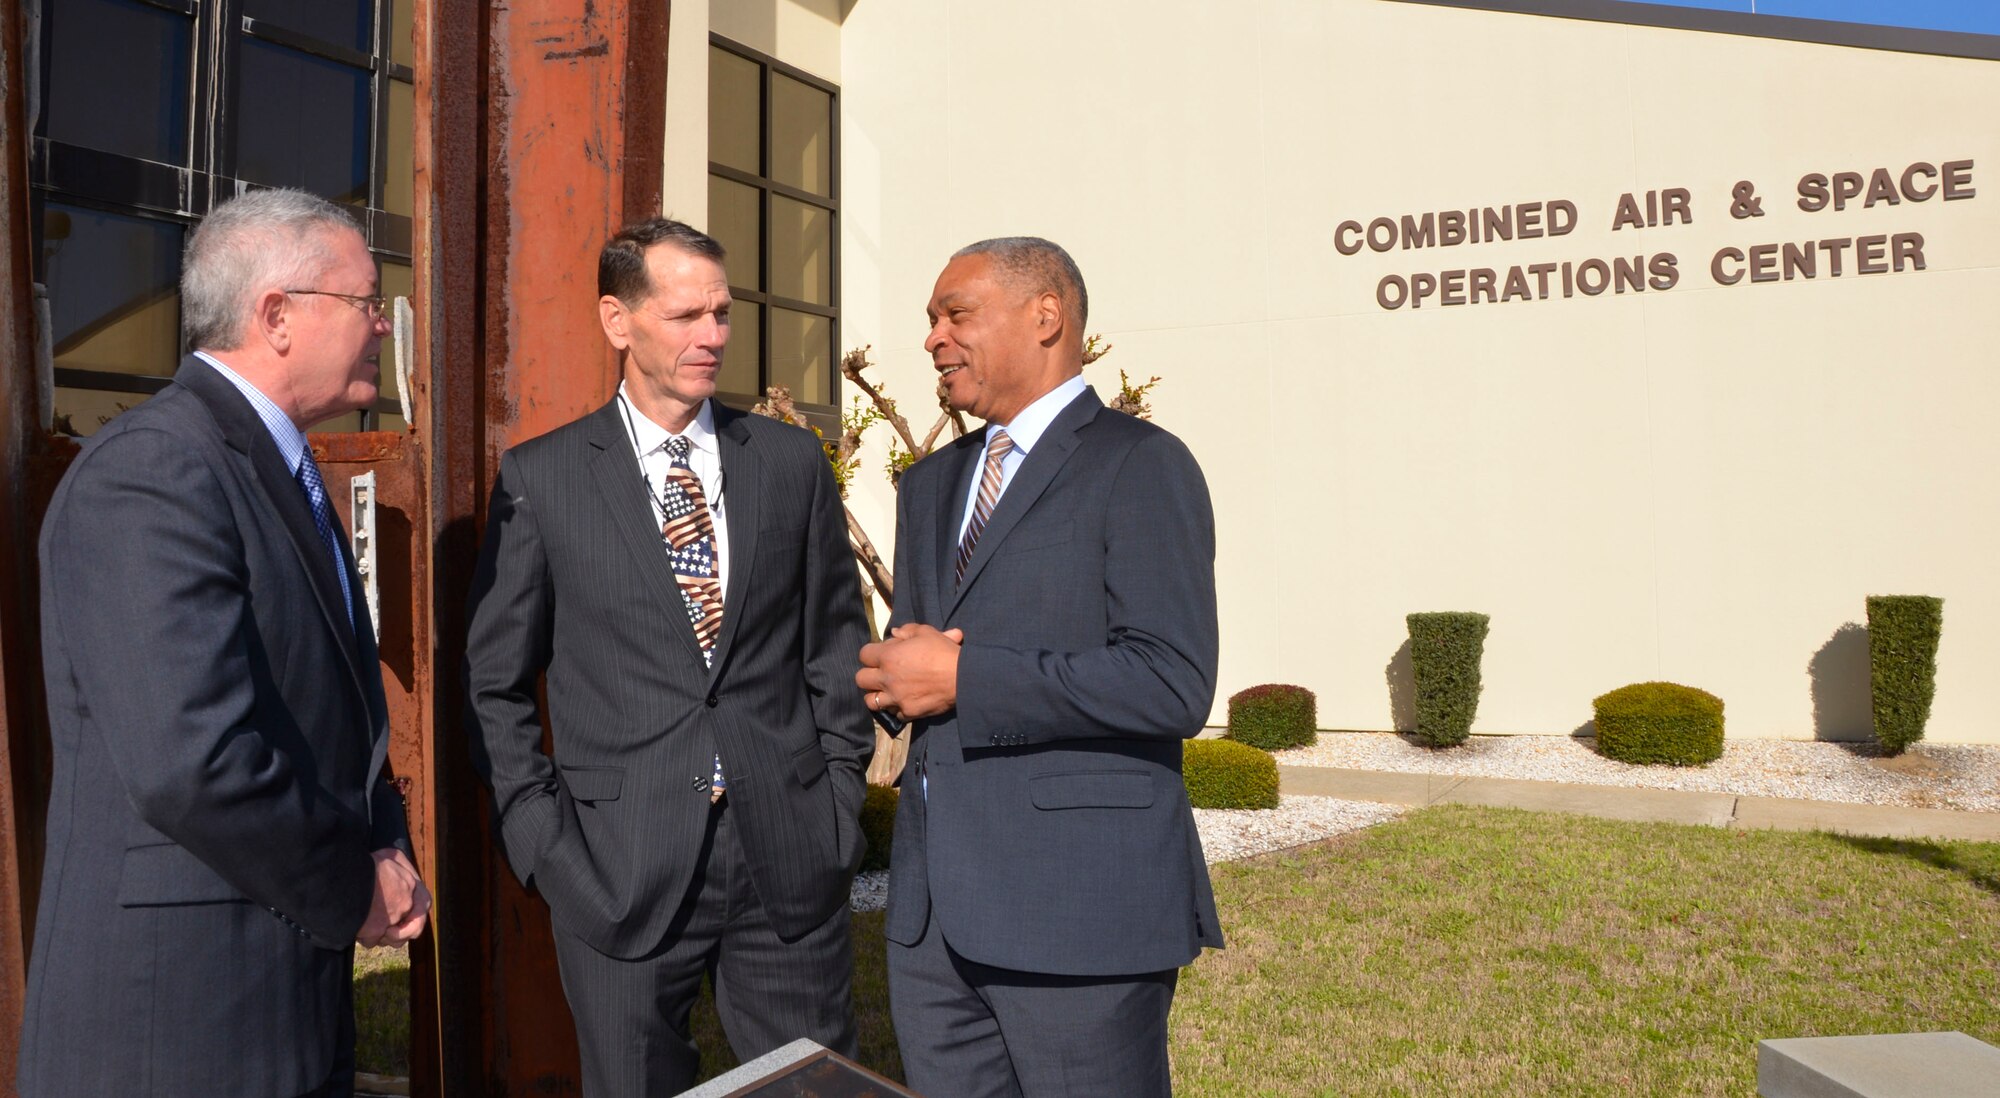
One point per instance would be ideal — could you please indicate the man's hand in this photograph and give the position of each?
(913, 672)
(401, 905)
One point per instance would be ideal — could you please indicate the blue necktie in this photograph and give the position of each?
(315, 490)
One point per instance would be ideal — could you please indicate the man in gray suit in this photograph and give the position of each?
(1053, 642)
(680, 572)
(221, 831)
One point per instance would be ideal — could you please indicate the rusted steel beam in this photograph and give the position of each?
(540, 132)
(23, 743)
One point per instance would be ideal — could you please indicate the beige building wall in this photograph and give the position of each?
(1699, 484)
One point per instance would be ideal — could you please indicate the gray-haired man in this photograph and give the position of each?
(220, 831)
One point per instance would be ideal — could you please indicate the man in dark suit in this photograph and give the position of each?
(680, 572)
(1053, 642)
(220, 829)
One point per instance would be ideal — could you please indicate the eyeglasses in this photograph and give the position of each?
(372, 304)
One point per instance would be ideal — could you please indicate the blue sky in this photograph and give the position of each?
(1976, 16)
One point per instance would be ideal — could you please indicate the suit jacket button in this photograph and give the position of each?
(713, 701)
(701, 785)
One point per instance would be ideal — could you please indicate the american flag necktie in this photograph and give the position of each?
(689, 531)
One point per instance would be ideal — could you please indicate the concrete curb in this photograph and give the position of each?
(1640, 804)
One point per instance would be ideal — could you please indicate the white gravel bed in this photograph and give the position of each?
(1226, 834)
(1959, 776)
(1231, 833)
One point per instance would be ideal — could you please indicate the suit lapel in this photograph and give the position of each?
(1037, 470)
(953, 484)
(245, 433)
(622, 486)
(743, 492)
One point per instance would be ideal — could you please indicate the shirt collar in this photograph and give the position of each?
(649, 436)
(291, 441)
(1027, 428)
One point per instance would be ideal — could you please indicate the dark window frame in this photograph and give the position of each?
(182, 193)
(824, 416)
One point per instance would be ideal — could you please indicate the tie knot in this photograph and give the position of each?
(678, 446)
(308, 474)
(998, 444)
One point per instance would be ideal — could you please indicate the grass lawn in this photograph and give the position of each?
(1475, 951)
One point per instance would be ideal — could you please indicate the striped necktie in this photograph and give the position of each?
(998, 446)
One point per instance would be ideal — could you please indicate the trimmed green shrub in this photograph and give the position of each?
(1659, 722)
(1445, 649)
(878, 825)
(1222, 774)
(1903, 633)
(1273, 716)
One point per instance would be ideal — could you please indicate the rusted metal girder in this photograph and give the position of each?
(23, 750)
(540, 130)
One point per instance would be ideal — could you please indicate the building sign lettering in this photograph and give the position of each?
(1773, 261)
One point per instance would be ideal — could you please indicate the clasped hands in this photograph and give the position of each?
(401, 904)
(912, 672)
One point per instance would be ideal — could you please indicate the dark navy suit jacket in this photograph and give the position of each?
(219, 736)
(1043, 824)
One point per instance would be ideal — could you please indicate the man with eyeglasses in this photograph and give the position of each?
(221, 829)
(676, 572)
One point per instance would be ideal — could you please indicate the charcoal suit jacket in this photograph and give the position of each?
(219, 738)
(1043, 824)
(574, 581)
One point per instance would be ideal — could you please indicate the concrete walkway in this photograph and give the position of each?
(1625, 803)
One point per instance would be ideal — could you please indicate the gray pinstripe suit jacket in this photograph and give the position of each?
(574, 581)
(1055, 836)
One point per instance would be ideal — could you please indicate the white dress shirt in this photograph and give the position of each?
(1024, 432)
(649, 441)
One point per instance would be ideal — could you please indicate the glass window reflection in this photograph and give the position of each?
(735, 111)
(801, 135)
(802, 354)
(349, 23)
(119, 78)
(114, 298)
(305, 125)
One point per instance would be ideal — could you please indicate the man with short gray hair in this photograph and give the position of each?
(1053, 643)
(221, 829)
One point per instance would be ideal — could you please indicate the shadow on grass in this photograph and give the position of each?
(1960, 858)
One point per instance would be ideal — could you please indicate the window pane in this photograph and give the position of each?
(398, 167)
(732, 220)
(402, 44)
(396, 281)
(113, 300)
(347, 23)
(81, 412)
(302, 122)
(801, 135)
(119, 78)
(735, 110)
(739, 359)
(802, 354)
(801, 251)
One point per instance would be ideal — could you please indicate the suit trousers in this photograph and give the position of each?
(969, 1030)
(632, 1015)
